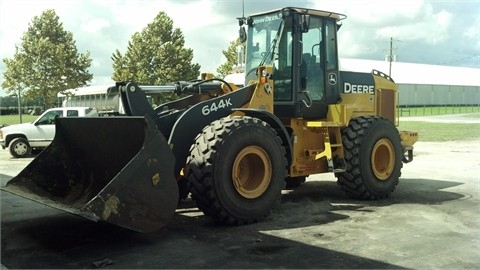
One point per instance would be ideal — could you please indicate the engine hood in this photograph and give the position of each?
(15, 128)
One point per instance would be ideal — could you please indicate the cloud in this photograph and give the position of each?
(419, 28)
(423, 31)
(94, 25)
(432, 28)
(472, 34)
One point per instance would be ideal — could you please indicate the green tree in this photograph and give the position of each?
(156, 56)
(231, 53)
(46, 62)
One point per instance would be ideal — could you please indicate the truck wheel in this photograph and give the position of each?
(19, 148)
(373, 155)
(236, 170)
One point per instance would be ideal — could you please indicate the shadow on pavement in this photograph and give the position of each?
(421, 191)
(64, 241)
(192, 241)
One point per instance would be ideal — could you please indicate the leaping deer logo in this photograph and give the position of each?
(332, 78)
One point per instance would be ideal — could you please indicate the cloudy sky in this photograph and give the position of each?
(440, 32)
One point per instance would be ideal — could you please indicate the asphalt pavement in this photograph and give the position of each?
(431, 221)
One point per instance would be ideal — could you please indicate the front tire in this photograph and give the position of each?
(373, 154)
(20, 148)
(236, 170)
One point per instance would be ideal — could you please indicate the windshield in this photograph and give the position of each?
(261, 39)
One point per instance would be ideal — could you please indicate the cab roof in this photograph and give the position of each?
(314, 12)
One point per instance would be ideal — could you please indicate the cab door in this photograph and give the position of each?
(43, 129)
(319, 68)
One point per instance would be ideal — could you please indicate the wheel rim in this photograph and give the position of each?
(20, 148)
(383, 159)
(251, 172)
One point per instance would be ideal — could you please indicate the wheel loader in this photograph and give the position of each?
(232, 149)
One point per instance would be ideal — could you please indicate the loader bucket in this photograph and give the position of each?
(114, 169)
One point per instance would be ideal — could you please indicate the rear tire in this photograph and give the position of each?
(236, 170)
(20, 148)
(373, 154)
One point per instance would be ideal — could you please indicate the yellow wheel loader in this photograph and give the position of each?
(233, 149)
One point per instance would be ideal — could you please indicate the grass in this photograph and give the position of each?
(442, 132)
(15, 119)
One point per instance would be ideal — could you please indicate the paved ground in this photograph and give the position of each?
(431, 221)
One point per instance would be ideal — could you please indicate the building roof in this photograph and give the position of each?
(404, 73)
(88, 90)
(412, 73)
(235, 78)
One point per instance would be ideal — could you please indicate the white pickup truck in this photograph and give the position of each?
(22, 138)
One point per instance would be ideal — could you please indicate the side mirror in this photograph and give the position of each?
(305, 23)
(242, 34)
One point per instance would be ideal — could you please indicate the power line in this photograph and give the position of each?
(460, 59)
(444, 48)
(392, 52)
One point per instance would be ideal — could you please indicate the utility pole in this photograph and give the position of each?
(390, 56)
(19, 106)
(18, 94)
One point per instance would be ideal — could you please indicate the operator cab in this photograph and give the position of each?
(301, 45)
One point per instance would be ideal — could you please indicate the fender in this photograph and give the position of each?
(193, 120)
(275, 123)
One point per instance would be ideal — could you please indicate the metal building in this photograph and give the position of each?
(425, 85)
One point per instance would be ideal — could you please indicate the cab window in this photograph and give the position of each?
(49, 117)
(72, 113)
(312, 47)
(331, 48)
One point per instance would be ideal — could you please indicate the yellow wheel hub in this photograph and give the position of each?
(383, 159)
(252, 171)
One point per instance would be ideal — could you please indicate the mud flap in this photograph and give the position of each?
(114, 169)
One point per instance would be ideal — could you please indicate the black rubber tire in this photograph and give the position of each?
(361, 180)
(212, 162)
(20, 148)
(294, 182)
